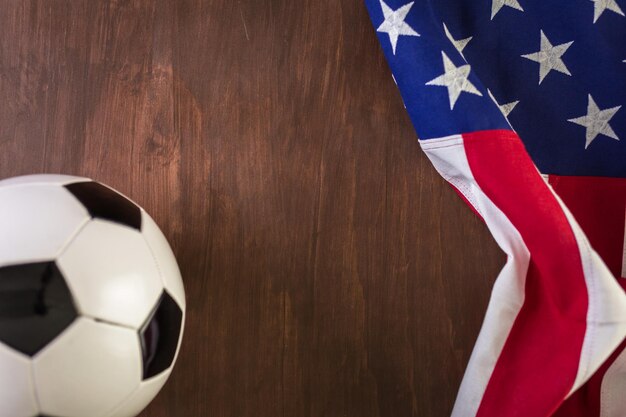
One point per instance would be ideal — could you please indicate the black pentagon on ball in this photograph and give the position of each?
(159, 336)
(35, 306)
(103, 203)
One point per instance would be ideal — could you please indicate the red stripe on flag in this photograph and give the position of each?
(598, 204)
(539, 362)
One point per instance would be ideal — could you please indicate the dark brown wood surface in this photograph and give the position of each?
(329, 270)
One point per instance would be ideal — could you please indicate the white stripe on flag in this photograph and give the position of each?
(449, 158)
(612, 402)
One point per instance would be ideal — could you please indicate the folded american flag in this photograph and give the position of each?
(501, 92)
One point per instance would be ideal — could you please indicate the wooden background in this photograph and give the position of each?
(329, 270)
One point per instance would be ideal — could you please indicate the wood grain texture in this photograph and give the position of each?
(329, 270)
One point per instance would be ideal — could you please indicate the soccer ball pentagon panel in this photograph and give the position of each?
(92, 303)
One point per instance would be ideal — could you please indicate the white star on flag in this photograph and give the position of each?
(455, 80)
(507, 108)
(459, 44)
(596, 121)
(549, 57)
(599, 6)
(496, 5)
(394, 24)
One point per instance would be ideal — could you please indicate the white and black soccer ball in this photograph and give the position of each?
(92, 303)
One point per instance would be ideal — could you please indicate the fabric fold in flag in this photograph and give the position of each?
(501, 92)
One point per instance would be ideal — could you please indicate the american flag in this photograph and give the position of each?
(517, 103)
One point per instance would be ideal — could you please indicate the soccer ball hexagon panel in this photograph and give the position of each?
(92, 303)
(91, 367)
(17, 393)
(37, 222)
(119, 279)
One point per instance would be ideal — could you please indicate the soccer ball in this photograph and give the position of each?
(92, 303)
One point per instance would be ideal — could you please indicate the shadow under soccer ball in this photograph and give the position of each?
(92, 303)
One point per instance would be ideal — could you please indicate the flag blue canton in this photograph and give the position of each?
(555, 68)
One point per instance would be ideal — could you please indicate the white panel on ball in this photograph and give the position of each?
(91, 366)
(17, 398)
(146, 392)
(42, 179)
(165, 259)
(36, 222)
(112, 274)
